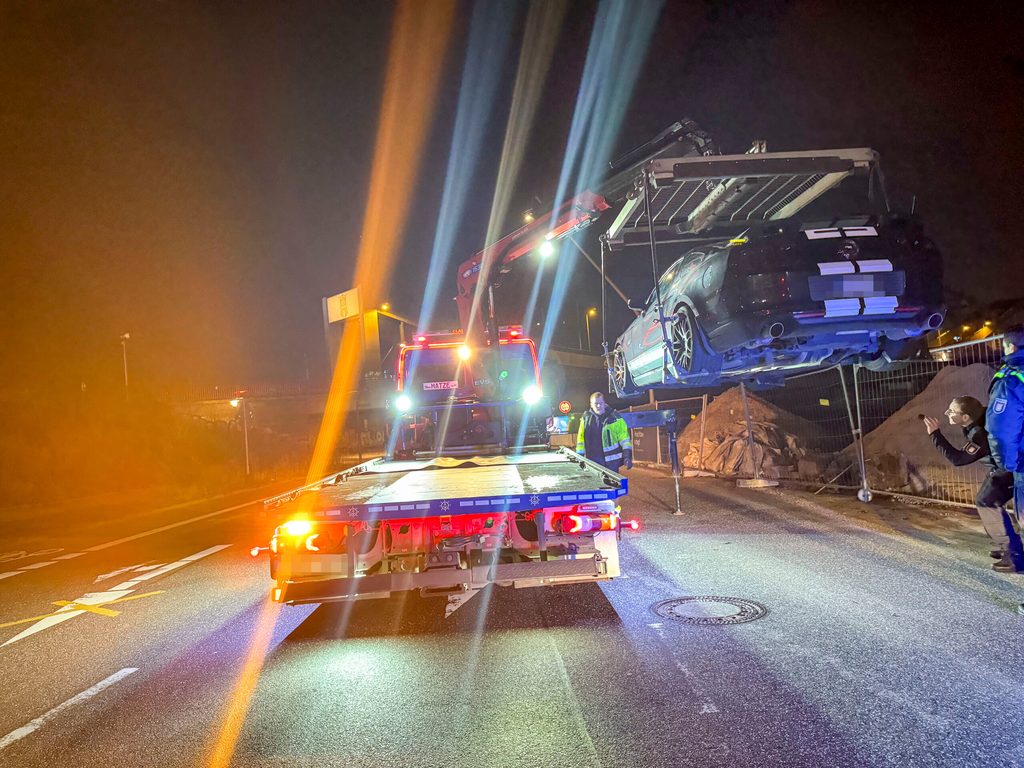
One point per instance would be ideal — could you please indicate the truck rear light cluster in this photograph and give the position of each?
(586, 523)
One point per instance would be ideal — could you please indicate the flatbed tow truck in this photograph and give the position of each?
(468, 494)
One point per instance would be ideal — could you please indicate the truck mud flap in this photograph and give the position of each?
(325, 590)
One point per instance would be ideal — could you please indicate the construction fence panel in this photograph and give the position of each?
(900, 456)
(808, 430)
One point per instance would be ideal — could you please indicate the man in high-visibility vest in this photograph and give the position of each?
(603, 436)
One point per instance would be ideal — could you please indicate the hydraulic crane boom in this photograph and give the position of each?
(618, 184)
(497, 258)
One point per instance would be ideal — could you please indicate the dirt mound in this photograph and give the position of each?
(779, 438)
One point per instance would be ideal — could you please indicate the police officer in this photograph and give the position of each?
(969, 414)
(603, 436)
(1005, 415)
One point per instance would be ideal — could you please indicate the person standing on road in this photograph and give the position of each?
(969, 414)
(603, 436)
(1005, 416)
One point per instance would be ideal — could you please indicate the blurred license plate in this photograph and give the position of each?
(432, 385)
(856, 286)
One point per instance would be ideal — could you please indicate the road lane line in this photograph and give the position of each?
(25, 730)
(9, 574)
(33, 566)
(132, 583)
(169, 527)
(115, 593)
(69, 556)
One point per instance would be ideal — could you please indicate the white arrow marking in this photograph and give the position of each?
(25, 730)
(114, 593)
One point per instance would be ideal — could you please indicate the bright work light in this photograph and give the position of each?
(298, 528)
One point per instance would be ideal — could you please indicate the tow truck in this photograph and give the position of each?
(467, 495)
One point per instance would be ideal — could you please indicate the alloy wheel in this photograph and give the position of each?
(682, 340)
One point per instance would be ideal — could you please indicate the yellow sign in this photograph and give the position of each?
(824, 402)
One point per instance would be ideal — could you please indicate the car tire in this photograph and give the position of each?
(621, 377)
(686, 343)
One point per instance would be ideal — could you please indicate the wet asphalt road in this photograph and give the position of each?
(888, 642)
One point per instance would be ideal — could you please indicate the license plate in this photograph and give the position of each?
(856, 286)
(435, 385)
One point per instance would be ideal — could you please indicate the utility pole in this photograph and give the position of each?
(124, 358)
(239, 401)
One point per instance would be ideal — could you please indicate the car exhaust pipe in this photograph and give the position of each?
(935, 320)
(775, 331)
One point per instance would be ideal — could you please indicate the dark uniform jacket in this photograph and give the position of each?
(998, 486)
(975, 449)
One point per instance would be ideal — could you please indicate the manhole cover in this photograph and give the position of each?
(708, 609)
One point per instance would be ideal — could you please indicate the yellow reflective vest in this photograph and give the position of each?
(615, 440)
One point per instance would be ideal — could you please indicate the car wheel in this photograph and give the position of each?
(685, 344)
(620, 372)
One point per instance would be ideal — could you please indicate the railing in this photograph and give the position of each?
(845, 426)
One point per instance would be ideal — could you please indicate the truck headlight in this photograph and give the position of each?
(403, 403)
(531, 394)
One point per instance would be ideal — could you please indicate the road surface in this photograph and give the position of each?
(133, 636)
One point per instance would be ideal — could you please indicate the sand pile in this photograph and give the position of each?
(900, 454)
(779, 439)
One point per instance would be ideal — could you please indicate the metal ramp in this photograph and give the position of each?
(709, 197)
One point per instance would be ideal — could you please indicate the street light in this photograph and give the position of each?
(385, 307)
(235, 403)
(124, 357)
(592, 312)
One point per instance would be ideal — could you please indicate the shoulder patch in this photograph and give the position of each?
(999, 405)
(971, 449)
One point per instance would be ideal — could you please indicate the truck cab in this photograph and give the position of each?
(457, 399)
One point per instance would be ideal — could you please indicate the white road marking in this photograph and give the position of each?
(69, 556)
(119, 571)
(33, 566)
(163, 528)
(21, 554)
(114, 593)
(25, 730)
(8, 574)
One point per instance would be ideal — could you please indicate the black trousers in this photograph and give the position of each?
(991, 500)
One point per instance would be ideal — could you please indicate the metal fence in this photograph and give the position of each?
(846, 426)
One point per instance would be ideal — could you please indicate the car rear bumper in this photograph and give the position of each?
(766, 326)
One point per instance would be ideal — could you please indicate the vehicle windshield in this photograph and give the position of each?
(434, 374)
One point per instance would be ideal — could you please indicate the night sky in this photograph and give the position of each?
(195, 173)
